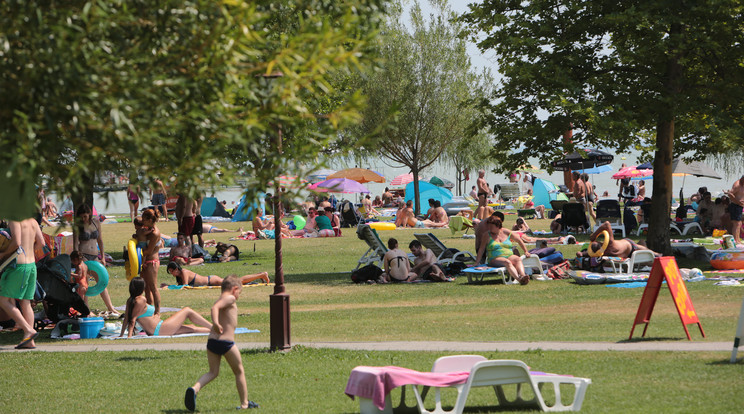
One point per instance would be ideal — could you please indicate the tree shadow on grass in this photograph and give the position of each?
(656, 339)
(137, 359)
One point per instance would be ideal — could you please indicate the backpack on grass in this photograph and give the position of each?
(363, 274)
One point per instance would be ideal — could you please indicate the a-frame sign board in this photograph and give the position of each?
(665, 268)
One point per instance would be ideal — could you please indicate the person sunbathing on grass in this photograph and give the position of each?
(138, 311)
(181, 254)
(521, 229)
(188, 277)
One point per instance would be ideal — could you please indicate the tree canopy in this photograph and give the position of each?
(174, 87)
(617, 71)
(420, 101)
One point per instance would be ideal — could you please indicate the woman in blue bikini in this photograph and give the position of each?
(497, 243)
(138, 311)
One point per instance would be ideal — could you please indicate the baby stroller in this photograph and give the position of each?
(349, 216)
(53, 275)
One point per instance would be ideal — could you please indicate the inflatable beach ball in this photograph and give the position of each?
(695, 273)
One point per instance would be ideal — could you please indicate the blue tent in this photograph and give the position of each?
(244, 210)
(544, 192)
(208, 205)
(427, 191)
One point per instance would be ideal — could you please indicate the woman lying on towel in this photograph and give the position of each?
(521, 229)
(139, 312)
(187, 277)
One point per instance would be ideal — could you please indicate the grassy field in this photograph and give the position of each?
(326, 306)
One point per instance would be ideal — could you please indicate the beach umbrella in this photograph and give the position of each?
(339, 185)
(646, 166)
(320, 175)
(427, 191)
(402, 179)
(582, 159)
(633, 173)
(441, 182)
(595, 170)
(696, 168)
(360, 175)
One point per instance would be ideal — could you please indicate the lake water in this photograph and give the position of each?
(117, 203)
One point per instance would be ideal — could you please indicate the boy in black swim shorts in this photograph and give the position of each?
(222, 342)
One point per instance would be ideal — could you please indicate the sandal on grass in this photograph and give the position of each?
(26, 341)
(251, 404)
(190, 399)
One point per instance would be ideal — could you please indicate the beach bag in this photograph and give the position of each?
(363, 274)
(554, 258)
(543, 252)
(560, 271)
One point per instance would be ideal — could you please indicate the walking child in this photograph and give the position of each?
(222, 342)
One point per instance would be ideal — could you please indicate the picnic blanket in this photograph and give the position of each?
(179, 287)
(589, 278)
(143, 335)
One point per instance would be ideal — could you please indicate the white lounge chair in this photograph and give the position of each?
(497, 374)
(538, 267)
(443, 254)
(628, 265)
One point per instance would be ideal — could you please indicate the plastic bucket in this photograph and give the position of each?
(89, 327)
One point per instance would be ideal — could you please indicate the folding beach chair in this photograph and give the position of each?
(444, 255)
(609, 210)
(574, 216)
(377, 248)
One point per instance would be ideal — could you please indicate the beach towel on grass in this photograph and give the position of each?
(144, 336)
(179, 287)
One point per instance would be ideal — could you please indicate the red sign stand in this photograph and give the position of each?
(665, 268)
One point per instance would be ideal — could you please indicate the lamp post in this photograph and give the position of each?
(279, 301)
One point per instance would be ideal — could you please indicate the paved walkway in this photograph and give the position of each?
(131, 345)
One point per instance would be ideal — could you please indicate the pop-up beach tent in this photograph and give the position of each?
(427, 191)
(244, 210)
(544, 192)
(208, 206)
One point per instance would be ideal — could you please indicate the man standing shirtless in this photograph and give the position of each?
(158, 197)
(396, 264)
(736, 195)
(19, 282)
(185, 215)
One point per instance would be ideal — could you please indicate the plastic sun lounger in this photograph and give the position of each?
(477, 274)
(497, 374)
(372, 385)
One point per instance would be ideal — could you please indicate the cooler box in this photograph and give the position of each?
(89, 327)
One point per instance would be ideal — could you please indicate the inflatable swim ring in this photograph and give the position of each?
(103, 278)
(727, 259)
(382, 225)
(600, 252)
(134, 264)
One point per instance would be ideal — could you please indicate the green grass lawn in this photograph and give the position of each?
(326, 306)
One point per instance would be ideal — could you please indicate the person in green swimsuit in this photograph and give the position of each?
(496, 246)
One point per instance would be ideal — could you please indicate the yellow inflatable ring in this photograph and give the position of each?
(134, 264)
(601, 251)
(103, 278)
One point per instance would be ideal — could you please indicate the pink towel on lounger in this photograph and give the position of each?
(376, 383)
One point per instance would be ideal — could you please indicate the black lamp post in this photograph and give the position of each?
(279, 301)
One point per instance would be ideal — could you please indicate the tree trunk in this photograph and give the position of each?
(416, 195)
(568, 180)
(658, 221)
(661, 204)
